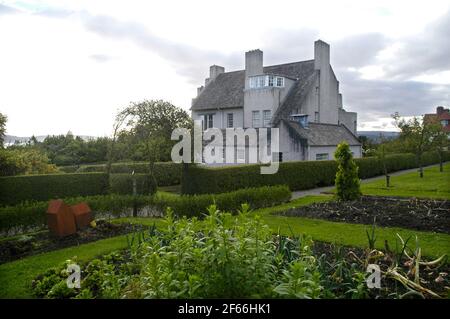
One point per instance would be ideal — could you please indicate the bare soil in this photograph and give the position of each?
(41, 242)
(418, 214)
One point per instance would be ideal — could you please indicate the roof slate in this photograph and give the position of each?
(323, 134)
(227, 90)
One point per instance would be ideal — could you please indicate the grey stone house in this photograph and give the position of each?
(301, 98)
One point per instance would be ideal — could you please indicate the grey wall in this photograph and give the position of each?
(349, 119)
(313, 150)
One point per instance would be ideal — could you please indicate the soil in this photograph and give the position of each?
(436, 278)
(27, 245)
(423, 215)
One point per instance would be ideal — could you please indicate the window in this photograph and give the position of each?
(267, 114)
(280, 81)
(230, 120)
(280, 157)
(208, 121)
(322, 157)
(316, 117)
(261, 81)
(256, 119)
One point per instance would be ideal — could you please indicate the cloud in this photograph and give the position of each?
(187, 60)
(4, 10)
(425, 53)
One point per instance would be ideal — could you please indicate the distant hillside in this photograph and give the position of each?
(11, 139)
(376, 135)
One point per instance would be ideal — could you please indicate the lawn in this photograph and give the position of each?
(434, 184)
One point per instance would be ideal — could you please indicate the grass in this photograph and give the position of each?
(16, 276)
(434, 184)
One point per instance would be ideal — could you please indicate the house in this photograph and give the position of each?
(302, 99)
(442, 116)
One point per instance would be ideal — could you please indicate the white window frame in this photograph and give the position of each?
(279, 81)
(256, 119)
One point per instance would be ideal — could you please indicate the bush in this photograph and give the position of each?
(297, 175)
(166, 173)
(16, 189)
(224, 257)
(347, 181)
(22, 161)
(31, 215)
(123, 184)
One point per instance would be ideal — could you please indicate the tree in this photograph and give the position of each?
(3, 120)
(149, 125)
(440, 141)
(347, 180)
(416, 136)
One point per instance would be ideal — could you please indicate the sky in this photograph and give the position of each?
(71, 64)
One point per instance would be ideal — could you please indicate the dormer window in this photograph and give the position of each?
(261, 81)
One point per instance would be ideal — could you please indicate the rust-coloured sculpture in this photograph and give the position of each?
(60, 219)
(82, 214)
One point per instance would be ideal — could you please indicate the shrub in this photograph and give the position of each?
(123, 184)
(166, 173)
(16, 189)
(224, 257)
(31, 215)
(347, 181)
(297, 175)
(25, 161)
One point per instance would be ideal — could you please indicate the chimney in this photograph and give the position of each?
(439, 110)
(253, 63)
(321, 55)
(214, 71)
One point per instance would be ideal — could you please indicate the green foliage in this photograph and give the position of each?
(30, 215)
(347, 181)
(16, 189)
(297, 175)
(3, 120)
(24, 161)
(223, 257)
(166, 173)
(123, 184)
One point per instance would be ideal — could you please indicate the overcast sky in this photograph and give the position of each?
(69, 65)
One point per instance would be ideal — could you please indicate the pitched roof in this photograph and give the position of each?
(227, 89)
(322, 134)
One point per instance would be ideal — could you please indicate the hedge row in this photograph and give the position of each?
(27, 216)
(17, 189)
(166, 173)
(297, 175)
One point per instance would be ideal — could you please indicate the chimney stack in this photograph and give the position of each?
(214, 71)
(253, 63)
(439, 110)
(321, 55)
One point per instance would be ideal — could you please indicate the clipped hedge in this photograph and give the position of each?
(16, 189)
(297, 175)
(123, 184)
(166, 173)
(29, 216)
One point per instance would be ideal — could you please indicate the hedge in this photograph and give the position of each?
(16, 189)
(28, 216)
(166, 173)
(297, 175)
(123, 184)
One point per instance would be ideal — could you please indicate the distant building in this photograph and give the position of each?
(442, 116)
(302, 99)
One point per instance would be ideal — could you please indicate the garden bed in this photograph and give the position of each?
(423, 215)
(27, 245)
